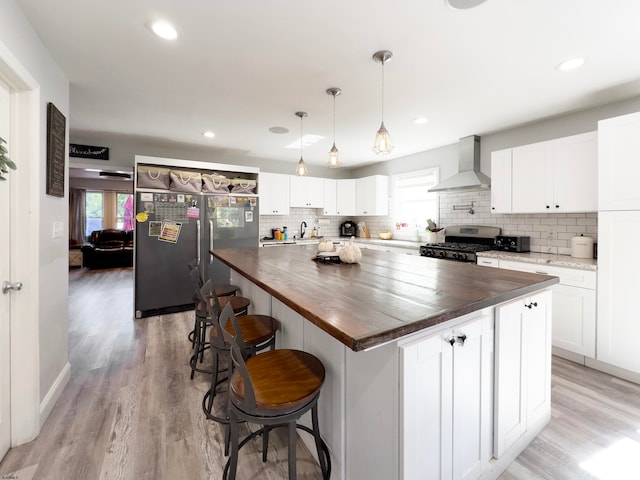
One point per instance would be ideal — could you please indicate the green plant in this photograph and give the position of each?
(5, 162)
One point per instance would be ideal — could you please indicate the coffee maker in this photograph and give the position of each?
(348, 229)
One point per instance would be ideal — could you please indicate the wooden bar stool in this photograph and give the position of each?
(272, 389)
(221, 290)
(258, 333)
(203, 320)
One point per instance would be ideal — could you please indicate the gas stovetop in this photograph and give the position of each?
(462, 242)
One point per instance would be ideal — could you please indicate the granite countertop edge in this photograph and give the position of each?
(543, 259)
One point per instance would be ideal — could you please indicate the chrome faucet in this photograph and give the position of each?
(303, 224)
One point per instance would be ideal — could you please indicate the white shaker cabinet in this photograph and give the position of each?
(619, 168)
(306, 192)
(555, 176)
(446, 396)
(346, 197)
(273, 190)
(372, 195)
(574, 306)
(501, 181)
(532, 177)
(330, 197)
(522, 369)
(618, 319)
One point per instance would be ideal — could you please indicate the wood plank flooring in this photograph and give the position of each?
(130, 410)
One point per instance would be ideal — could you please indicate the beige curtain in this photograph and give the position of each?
(77, 217)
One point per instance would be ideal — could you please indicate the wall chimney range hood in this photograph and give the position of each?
(469, 176)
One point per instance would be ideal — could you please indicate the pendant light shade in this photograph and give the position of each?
(334, 159)
(382, 144)
(301, 169)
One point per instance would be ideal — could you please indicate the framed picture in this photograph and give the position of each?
(56, 151)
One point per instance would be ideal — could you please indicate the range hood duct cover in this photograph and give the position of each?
(469, 176)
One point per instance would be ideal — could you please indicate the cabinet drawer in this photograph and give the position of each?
(568, 276)
(488, 262)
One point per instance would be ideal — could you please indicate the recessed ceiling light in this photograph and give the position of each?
(164, 30)
(420, 120)
(209, 134)
(279, 130)
(463, 4)
(571, 64)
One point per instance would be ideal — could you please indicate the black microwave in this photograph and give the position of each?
(513, 243)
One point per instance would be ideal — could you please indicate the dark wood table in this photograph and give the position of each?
(384, 297)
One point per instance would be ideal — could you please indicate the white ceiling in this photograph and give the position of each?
(240, 67)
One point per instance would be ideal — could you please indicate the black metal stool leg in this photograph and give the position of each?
(265, 442)
(318, 439)
(293, 436)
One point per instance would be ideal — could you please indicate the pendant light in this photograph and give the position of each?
(382, 144)
(301, 169)
(334, 159)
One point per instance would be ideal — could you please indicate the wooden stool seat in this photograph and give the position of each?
(224, 290)
(283, 380)
(255, 329)
(273, 389)
(239, 304)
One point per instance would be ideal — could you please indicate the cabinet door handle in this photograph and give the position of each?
(451, 339)
(531, 305)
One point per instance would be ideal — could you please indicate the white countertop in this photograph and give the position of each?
(543, 258)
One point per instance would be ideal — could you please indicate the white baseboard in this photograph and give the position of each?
(54, 393)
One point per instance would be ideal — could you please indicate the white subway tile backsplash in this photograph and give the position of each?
(561, 227)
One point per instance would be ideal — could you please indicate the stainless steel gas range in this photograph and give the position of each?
(461, 242)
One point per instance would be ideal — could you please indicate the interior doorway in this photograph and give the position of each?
(5, 276)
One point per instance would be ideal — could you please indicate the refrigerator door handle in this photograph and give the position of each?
(210, 241)
(198, 240)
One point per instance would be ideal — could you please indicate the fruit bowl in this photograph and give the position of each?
(385, 235)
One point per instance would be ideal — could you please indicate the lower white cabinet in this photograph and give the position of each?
(618, 322)
(522, 368)
(446, 403)
(574, 304)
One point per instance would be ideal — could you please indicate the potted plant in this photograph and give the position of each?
(5, 162)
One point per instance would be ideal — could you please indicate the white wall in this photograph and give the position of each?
(47, 261)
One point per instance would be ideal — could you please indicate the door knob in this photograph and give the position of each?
(6, 286)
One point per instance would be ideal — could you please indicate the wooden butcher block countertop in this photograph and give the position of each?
(384, 297)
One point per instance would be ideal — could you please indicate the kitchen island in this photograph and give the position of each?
(435, 369)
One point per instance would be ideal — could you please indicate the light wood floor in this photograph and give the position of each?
(130, 410)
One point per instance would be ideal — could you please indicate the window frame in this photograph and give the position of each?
(410, 224)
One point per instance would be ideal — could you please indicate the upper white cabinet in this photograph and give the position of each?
(330, 197)
(372, 195)
(273, 189)
(619, 168)
(556, 176)
(501, 181)
(346, 197)
(306, 192)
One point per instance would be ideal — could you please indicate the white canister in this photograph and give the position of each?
(582, 247)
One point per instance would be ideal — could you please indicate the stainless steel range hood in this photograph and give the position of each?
(469, 176)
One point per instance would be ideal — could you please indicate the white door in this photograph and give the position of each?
(5, 275)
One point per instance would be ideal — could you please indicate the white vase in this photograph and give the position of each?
(432, 237)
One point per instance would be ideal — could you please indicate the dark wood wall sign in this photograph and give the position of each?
(56, 151)
(88, 151)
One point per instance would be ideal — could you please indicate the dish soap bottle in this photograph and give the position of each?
(314, 233)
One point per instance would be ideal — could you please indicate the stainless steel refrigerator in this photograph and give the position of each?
(172, 230)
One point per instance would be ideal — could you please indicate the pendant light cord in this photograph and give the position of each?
(382, 94)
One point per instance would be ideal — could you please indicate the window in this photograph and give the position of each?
(124, 211)
(94, 210)
(413, 202)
